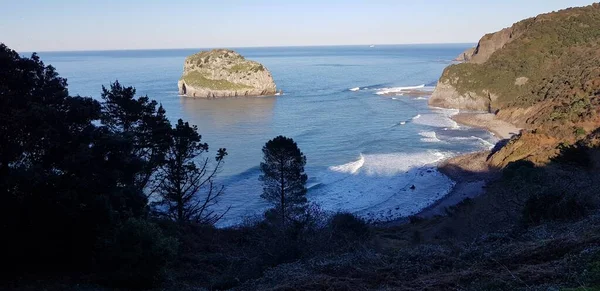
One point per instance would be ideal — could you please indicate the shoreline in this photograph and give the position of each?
(488, 121)
(470, 172)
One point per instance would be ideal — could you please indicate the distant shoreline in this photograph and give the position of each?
(457, 44)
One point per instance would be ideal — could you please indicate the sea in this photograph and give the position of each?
(368, 152)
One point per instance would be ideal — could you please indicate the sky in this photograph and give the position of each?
(65, 25)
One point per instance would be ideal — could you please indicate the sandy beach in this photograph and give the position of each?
(471, 172)
(500, 128)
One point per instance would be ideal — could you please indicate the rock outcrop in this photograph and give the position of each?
(445, 95)
(224, 73)
(488, 45)
(466, 55)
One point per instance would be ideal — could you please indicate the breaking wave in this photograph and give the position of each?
(383, 91)
(429, 136)
(379, 187)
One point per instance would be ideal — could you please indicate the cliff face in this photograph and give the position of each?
(446, 96)
(224, 73)
(541, 74)
(466, 55)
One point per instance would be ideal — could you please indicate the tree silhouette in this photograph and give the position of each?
(60, 175)
(142, 122)
(187, 189)
(283, 177)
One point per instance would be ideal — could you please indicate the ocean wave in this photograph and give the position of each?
(440, 117)
(350, 168)
(429, 136)
(379, 187)
(484, 142)
(354, 89)
(389, 164)
(383, 91)
(416, 116)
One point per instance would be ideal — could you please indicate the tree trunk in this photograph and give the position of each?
(282, 193)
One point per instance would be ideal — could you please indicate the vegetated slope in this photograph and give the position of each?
(542, 74)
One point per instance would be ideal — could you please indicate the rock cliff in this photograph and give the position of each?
(224, 73)
(466, 55)
(541, 74)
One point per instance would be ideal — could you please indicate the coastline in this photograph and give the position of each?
(501, 129)
(471, 172)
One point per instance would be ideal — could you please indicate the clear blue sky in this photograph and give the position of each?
(44, 25)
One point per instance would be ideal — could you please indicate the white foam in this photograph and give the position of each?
(355, 89)
(379, 186)
(485, 143)
(417, 117)
(351, 167)
(429, 136)
(374, 186)
(440, 117)
(383, 91)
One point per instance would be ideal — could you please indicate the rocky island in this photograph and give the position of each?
(224, 73)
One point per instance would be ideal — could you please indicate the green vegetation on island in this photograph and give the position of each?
(195, 78)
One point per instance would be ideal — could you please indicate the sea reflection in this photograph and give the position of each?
(227, 112)
(241, 125)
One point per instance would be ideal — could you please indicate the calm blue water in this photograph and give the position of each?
(364, 150)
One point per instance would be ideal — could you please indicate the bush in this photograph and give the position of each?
(348, 226)
(552, 207)
(521, 168)
(574, 155)
(137, 255)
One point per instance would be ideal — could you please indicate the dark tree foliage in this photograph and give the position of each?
(140, 122)
(187, 188)
(72, 169)
(283, 177)
(47, 140)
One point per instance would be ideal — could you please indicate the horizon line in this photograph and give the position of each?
(243, 47)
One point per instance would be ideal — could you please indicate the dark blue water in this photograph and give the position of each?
(364, 149)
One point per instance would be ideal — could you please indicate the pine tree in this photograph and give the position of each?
(187, 181)
(283, 177)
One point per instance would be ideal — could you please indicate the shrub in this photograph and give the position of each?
(551, 207)
(573, 155)
(520, 168)
(348, 226)
(415, 219)
(137, 255)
